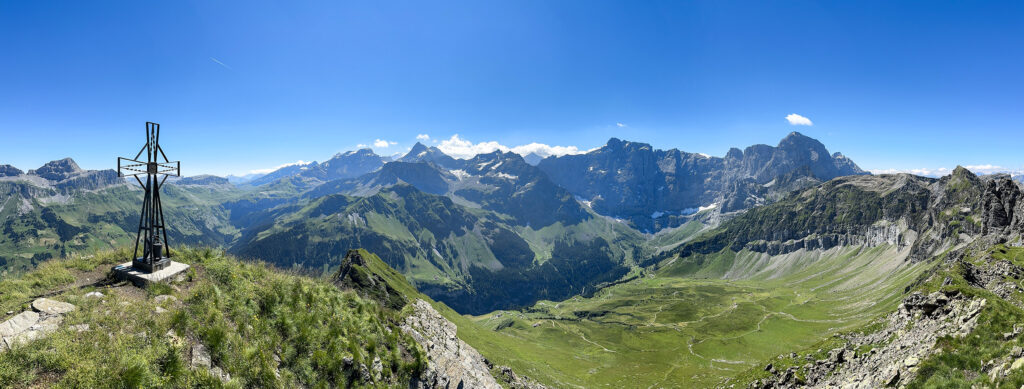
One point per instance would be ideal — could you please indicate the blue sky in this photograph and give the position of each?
(240, 86)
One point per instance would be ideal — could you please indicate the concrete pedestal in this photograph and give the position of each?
(140, 278)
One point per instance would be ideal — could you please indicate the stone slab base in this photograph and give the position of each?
(126, 272)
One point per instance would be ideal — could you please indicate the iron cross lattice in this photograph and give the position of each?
(152, 233)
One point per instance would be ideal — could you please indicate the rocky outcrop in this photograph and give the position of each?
(89, 180)
(451, 363)
(44, 318)
(9, 171)
(354, 274)
(893, 353)
(1003, 206)
(929, 215)
(654, 188)
(65, 176)
(58, 170)
(201, 360)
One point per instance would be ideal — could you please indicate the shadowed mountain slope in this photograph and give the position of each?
(654, 189)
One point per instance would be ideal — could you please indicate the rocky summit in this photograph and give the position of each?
(654, 189)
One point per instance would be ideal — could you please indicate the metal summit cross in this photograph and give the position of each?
(152, 233)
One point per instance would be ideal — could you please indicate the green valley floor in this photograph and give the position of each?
(673, 327)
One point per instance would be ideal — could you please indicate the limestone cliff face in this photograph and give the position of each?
(451, 363)
(925, 214)
(62, 176)
(653, 189)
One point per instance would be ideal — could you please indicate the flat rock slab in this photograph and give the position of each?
(163, 298)
(126, 272)
(18, 324)
(53, 307)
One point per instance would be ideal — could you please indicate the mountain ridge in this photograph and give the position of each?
(654, 189)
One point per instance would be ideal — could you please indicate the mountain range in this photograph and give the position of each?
(624, 266)
(521, 224)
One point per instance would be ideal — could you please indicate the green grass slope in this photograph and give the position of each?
(684, 326)
(472, 259)
(956, 362)
(267, 328)
(36, 228)
(672, 328)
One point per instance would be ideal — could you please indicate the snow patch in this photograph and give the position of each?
(707, 207)
(461, 174)
(507, 176)
(584, 202)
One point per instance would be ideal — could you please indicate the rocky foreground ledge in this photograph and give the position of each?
(44, 318)
(451, 363)
(911, 333)
(961, 328)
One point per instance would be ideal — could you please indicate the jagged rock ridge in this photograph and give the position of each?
(654, 188)
(927, 214)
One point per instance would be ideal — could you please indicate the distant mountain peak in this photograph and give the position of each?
(633, 180)
(533, 158)
(423, 153)
(734, 153)
(57, 170)
(10, 171)
(360, 152)
(796, 139)
(417, 150)
(961, 171)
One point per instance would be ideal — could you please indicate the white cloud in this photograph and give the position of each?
(461, 148)
(265, 171)
(620, 125)
(927, 172)
(361, 146)
(798, 120)
(986, 169)
(942, 171)
(383, 143)
(422, 137)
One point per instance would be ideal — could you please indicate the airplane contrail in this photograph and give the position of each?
(220, 63)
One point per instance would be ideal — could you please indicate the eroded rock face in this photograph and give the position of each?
(57, 170)
(9, 171)
(451, 363)
(635, 181)
(913, 328)
(1003, 206)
